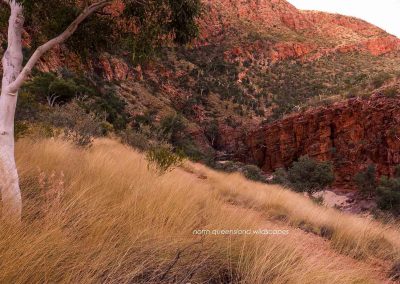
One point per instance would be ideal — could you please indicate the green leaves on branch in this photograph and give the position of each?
(183, 19)
(160, 21)
(176, 18)
(143, 26)
(58, 89)
(62, 90)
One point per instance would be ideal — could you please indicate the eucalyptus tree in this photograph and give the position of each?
(141, 26)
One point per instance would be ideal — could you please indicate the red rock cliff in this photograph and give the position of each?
(351, 134)
(293, 33)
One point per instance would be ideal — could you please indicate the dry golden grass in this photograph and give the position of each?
(351, 235)
(98, 215)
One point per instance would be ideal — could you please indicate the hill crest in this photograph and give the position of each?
(290, 32)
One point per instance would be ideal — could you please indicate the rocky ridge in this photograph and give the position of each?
(292, 33)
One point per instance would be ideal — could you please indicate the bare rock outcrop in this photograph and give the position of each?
(351, 134)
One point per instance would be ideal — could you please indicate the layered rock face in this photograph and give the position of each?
(307, 34)
(351, 134)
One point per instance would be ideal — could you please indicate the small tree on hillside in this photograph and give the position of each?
(310, 175)
(388, 192)
(306, 175)
(212, 132)
(147, 22)
(366, 180)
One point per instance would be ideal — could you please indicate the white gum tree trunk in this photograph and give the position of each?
(13, 78)
(12, 66)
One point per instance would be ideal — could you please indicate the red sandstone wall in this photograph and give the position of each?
(351, 134)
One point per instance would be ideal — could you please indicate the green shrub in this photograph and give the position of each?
(51, 89)
(191, 150)
(171, 128)
(306, 175)
(109, 104)
(280, 176)
(59, 89)
(135, 139)
(146, 118)
(366, 180)
(388, 195)
(253, 172)
(163, 159)
(387, 191)
(79, 126)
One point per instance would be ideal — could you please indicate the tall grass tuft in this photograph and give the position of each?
(100, 216)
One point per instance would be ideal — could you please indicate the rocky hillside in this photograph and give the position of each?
(285, 32)
(255, 62)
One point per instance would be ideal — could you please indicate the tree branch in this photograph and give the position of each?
(88, 11)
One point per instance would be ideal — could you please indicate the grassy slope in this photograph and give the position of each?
(99, 215)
